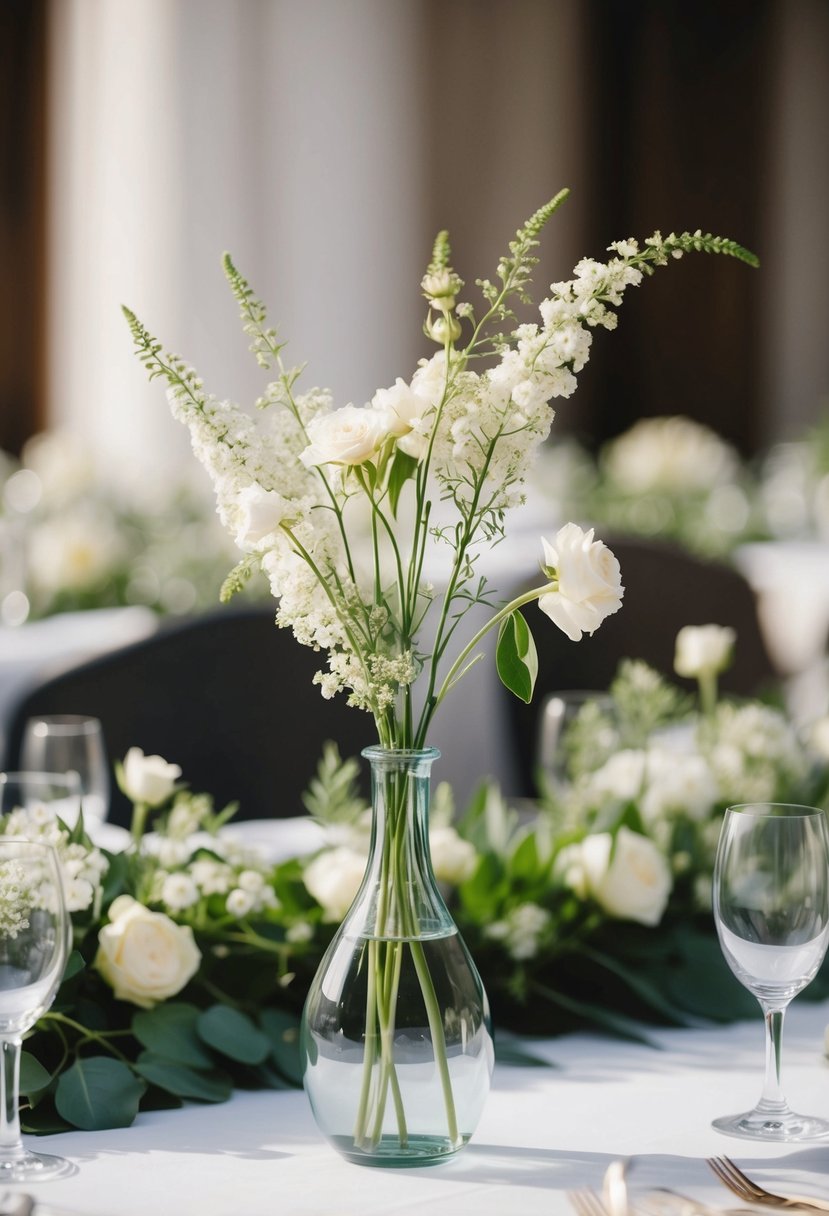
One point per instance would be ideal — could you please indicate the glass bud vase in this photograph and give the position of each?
(396, 1031)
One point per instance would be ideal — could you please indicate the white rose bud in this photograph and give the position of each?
(588, 582)
(349, 436)
(148, 779)
(261, 513)
(144, 956)
(703, 650)
(633, 884)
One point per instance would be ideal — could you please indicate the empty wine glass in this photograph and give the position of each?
(61, 743)
(34, 941)
(576, 733)
(59, 793)
(771, 909)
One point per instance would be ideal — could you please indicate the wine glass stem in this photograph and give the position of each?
(772, 1097)
(11, 1145)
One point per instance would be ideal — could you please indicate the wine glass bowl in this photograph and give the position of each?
(576, 730)
(61, 743)
(771, 909)
(34, 942)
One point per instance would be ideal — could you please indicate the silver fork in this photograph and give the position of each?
(586, 1202)
(733, 1177)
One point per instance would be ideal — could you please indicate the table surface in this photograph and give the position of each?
(545, 1131)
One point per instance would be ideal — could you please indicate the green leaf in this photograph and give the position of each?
(282, 1030)
(516, 658)
(403, 468)
(171, 1030)
(616, 1023)
(74, 964)
(233, 1034)
(97, 1093)
(649, 992)
(43, 1121)
(33, 1076)
(183, 1081)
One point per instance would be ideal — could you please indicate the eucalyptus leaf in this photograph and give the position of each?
(233, 1034)
(33, 1076)
(43, 1120)
(171, 1030)
(98, 1092)
(282, 1030)
(516, 658)
(183, 1081)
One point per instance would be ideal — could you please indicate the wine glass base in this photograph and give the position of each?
(35, 1167)
(783, 1128)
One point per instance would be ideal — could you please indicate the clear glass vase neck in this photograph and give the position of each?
(399, 897)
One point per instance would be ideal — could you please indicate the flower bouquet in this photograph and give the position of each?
(317, 499)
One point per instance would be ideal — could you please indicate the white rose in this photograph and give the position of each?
(148, 779)
(453, 858)
(144, 956)
(588, 582)
(818, 737)
(703, 650)
(348, 436)
(632, 884)
(261, 512)
(403, 407)
(622, 777)
(673, 454)
(333, 878)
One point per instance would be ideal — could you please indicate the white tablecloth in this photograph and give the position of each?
(544, 1132)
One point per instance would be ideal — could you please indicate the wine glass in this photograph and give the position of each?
(576, 731)
(60, 743)
(34, 942)
(771, 908)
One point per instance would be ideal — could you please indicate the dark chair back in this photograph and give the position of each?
(227, 696)
(665, 588)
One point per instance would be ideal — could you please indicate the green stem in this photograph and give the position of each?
(427, 987)
(499, 616)
(707, 681)
(90, 1036)
(140, 811)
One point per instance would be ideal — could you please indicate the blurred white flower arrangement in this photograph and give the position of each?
(75, 535)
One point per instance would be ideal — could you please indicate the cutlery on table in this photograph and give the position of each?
(16, 1203)
(585, 1202)
(743, 1186)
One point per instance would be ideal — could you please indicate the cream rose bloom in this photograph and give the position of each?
(588, 582)
(351, 435)
(453, 858)
(148, 779)
(333, 878)
(632, 884)
(406, 416)
(144, 956)
(703, 650)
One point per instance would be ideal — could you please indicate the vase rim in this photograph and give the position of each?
(396, 754)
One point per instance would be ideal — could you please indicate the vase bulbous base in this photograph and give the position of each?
(388, 1153)
(396, 1032)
